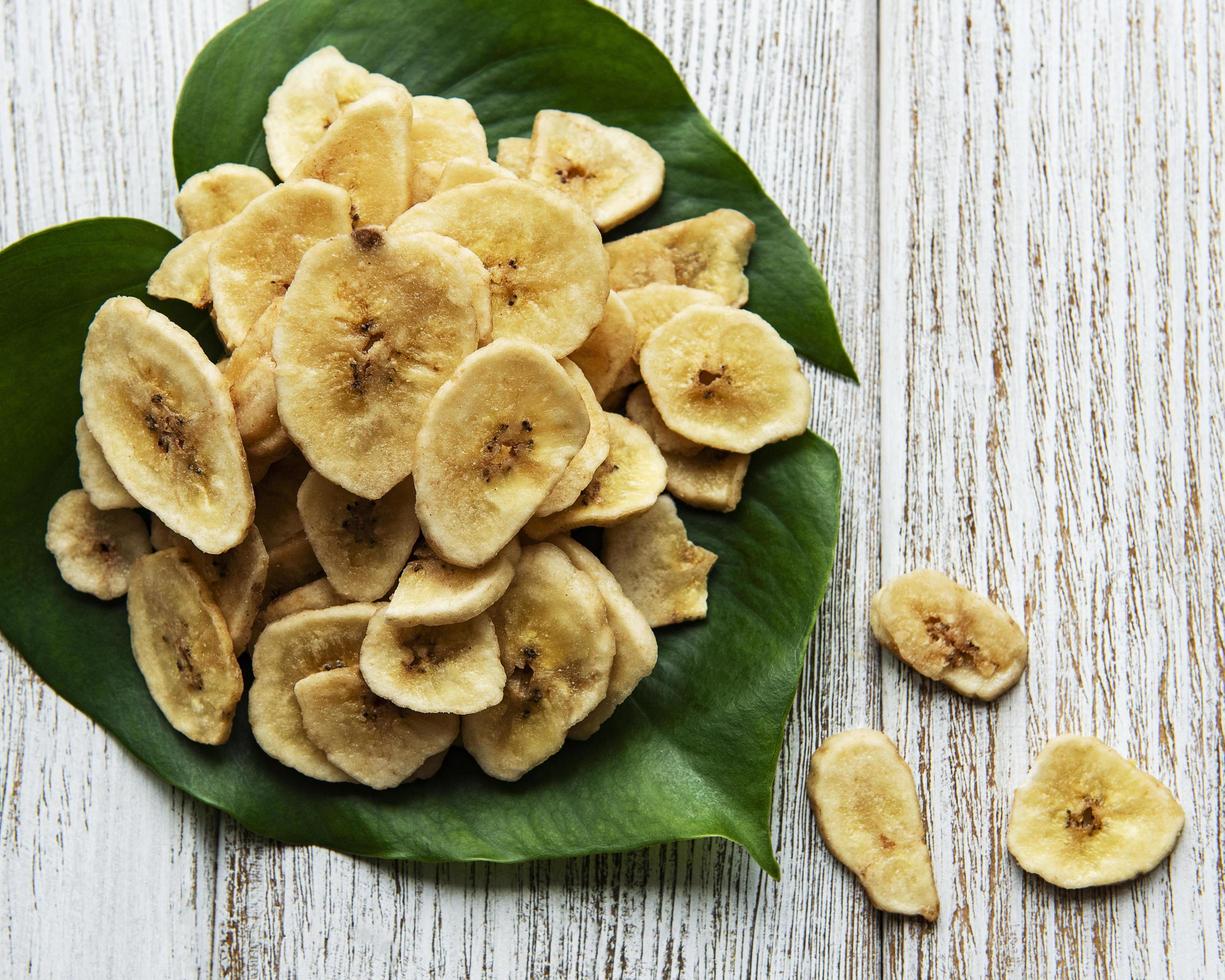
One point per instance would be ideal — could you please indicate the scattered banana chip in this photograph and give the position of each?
(579, 471)
(950, 634)
(361, 544)
(318, 594)
(863, 794)
(256, 255)
(371, 740)
(709, 252)
(99, 480)
(452, 669)
(661, 570)
(161, 412)
(609, 349)
(251, 372)
(655, 304)
(94, 549)
(495, 440)
(366, 151)
(370, 329)
(210, 198)
(433, 593)
(470, 170)
(183, 273)
(443, 130)
(547, 268)
(182, 646)
(725, 378)
(514, 153)
(288, 650)
(1086, 816)
(291, 564)
(276, 500)
(610, 173)
(557, 650)
(627, 483)
(634, 640)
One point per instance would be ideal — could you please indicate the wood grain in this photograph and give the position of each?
(1020, 209)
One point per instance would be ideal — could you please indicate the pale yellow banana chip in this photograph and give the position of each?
(495, 440)
(288, 650)
(318, 594)
(661, 570)
(291, 564)
(95, 549)
(183, 273)
(361, 544)
(948, 633)
(161, 412)
(251, 372)
(557, 649)
(1086, 816)
(641, 409)
(470, 170)
(369, 739)
(609, 349)
(256, 255)
(370, 329)
(434, 593)
(724, 378)
(452, 669)
(276, 500)
(182, 646)
(581, 468)
(548, 272)
(443, 130)
(429, 768)
(863, 794)
(209, 199)
(655, 304)
(99, 480)
(513, 154)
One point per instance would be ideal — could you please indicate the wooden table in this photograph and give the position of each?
(1020, 209)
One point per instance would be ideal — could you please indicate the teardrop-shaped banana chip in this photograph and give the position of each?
(443, 130)
(371, 740)
(725, 378)
(291, 564)
(318, 594)
(99, 480)
(210, 198)
(557, 650)
(470, 170)
(609, 349)
(161, 412)
(276, 500)
(655, 304)
(251, 372)
(361, 544)
(182, 646)
(579, 471)
(513, 154)
(95, 549)
(432, 592)
(370, 329)
(183, 273)
(288, 650)
(495, 440)
(256, 255)
(548, 272)
(453, 668)
(628, 482)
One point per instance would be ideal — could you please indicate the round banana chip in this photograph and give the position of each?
(210, 198)
(251, 372)
(495, 440)
(99, 480)
(276, 500)
(627, 483)
(318, 594)
(725, 378)
(161, 412)
(513, 154)
(609, 349)
(182, 646)
(548, 272)
(361, 544)
(95, 549)
(579, 471)
(453, 668)
(610, 173)
(183, 273)
(557, 649)
(288, 650)
(291, 564)
(434, 593)
(641, 409)
(636, 649)
(655, 304)
(370, 329)
(256, 255)
(443, 130)
(470, 170)
(371, 740)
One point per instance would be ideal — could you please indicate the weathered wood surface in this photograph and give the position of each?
(1020, 208)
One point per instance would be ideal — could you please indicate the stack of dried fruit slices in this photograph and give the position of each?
(377, 487)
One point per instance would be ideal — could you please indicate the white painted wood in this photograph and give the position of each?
(1021, 213)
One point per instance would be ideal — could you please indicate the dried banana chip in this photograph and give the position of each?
(548, 272)
(948, 633)
(470, 170)
(429, 768)
(655, 304)
(288, 650)
(443, 130)
(636, 649)
(557, 649)
(182, 646)
(276, 500)
(256, 255)
(863, 794)
(609, 349)
(161, 412)
(291, 564)
(371, 740)
(627, 483)
(579, 471)
(495, 440)
(452, 669)
(251, 372)
(99, 480)
(318, 594)
(709, 252)
(661, 570)
(366, 151)
(361, 544)
(210, 198)
(94, 549)
(1086, 816)
(513, 154)
(725, 378)
(370, 329)
(641, 409)
(434, 593)
(610, 173)
(183, 273)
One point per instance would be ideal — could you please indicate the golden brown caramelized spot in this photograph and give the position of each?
(360, 520)
(169, 429)
(961, 651)
(591, 493)
(506, 445)
(1086, 819)
(367, 239)
(188, 672)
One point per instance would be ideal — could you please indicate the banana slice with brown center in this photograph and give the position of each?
(95, 549)
(212, 197)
